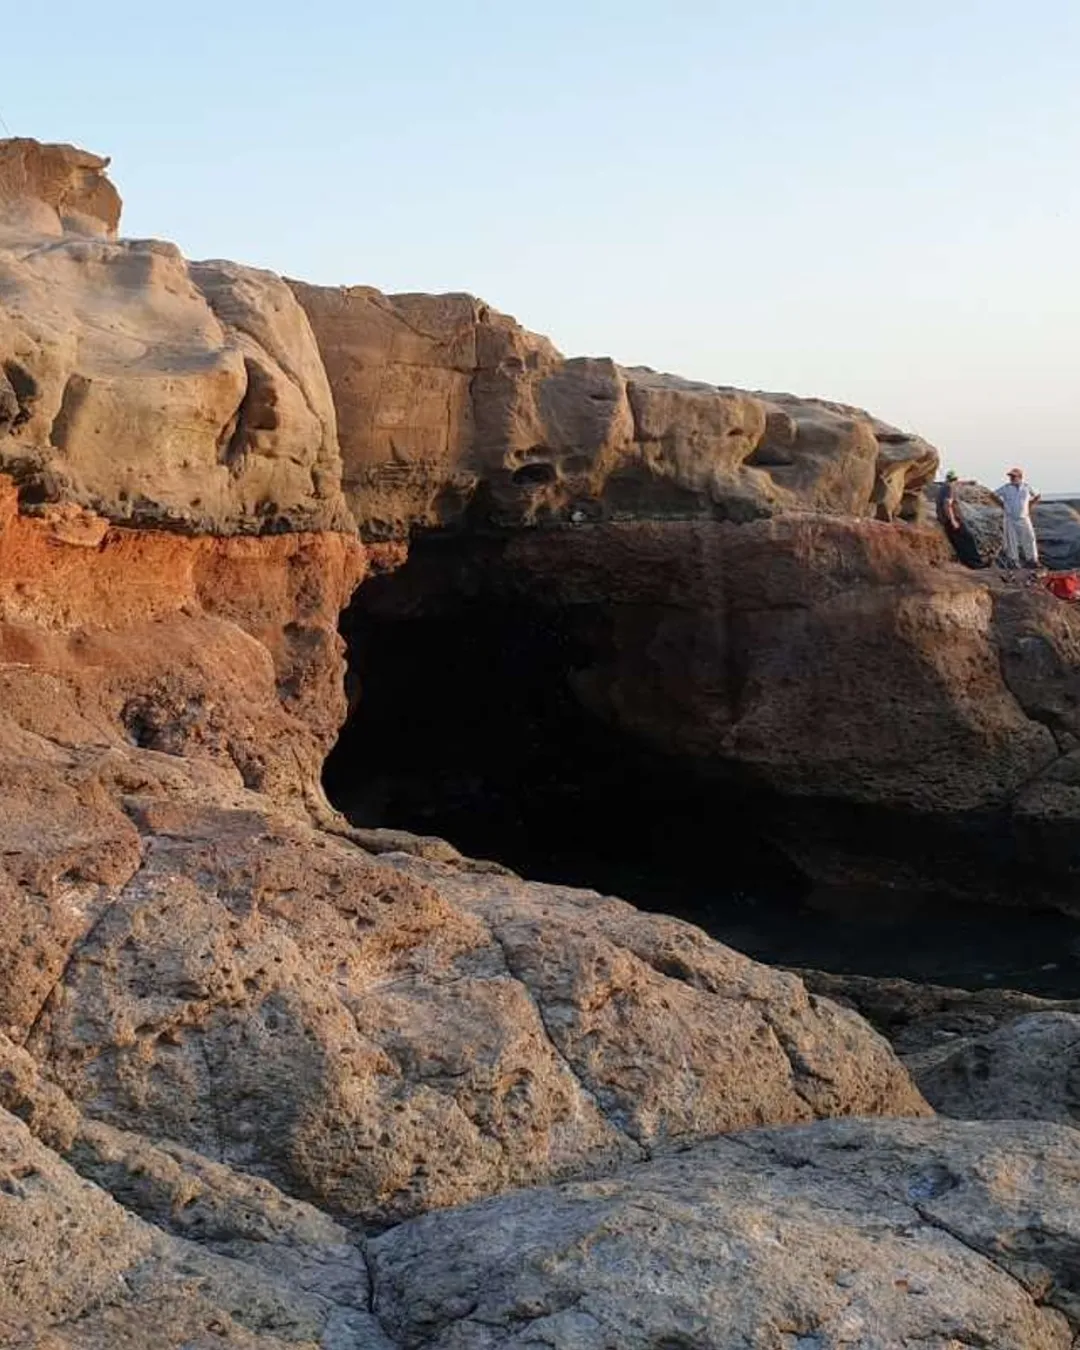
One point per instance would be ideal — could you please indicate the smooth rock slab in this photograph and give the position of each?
(856, 1233)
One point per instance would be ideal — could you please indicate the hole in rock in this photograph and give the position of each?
(530, 474)
(470, 719)
(768, 456)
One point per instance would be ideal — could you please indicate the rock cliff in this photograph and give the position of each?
(449, 410)
(146, 388)
(241, 1038)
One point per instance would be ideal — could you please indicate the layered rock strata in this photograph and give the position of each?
(235, 1043)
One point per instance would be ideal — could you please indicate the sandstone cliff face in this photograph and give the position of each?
(449, 410)
(145, 388)
(51, 189)
(232, 1039)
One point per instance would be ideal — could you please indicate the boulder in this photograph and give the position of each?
(1057, 525)
(1028, 1069)
(389, 1039)
(841, 1233)
(1057, 528)
(980, 511)
(51, 190)
(130, 390)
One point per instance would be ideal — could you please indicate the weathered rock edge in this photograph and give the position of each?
(215, 398)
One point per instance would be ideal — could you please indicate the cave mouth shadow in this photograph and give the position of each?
(464, 723)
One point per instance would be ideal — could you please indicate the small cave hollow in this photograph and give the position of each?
(465, 722)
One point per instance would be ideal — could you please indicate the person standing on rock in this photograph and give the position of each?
(952, 522)
(1017, 498)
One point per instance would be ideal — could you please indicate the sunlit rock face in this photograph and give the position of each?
(238, 1036)
(451, 412)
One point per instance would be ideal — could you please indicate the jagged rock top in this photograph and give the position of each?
(148, 389)
(208, 398)
(56, 189)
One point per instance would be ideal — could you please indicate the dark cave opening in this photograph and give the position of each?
(465, 723)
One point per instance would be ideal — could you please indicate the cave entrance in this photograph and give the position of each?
(465, 723)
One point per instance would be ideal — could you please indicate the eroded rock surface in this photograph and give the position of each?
(989, 1054)
(51, 189)
(388, 1040)
(146, 388)
(841, 1232)
(187, 956)
(449, 410)
(79, 1270)
(1028, 1069)
(917, 1017)
(845, 1233)
(218, 1010)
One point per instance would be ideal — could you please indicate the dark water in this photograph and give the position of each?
(927, 939)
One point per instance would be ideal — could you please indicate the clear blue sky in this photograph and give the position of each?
(869, 200)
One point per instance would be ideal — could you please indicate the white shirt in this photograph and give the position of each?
(1016, 498)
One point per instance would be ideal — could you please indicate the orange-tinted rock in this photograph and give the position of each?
(187, 956)
(138, 662)
(50, 189)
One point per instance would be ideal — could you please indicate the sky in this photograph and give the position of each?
(875, 201)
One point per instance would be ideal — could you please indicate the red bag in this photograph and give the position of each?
(1065, 585)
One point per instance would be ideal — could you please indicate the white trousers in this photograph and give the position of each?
(1020, 540)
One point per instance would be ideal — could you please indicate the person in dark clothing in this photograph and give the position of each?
(952, 522)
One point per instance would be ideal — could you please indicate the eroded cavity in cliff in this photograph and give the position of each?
(481, 712)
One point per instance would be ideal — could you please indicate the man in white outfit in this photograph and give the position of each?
(1017, 497)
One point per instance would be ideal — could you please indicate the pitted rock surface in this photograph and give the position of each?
(80, 1271)
(868, 1233)
(143, 387)
(388, 1039)
(1028, 1069)
(232, 1039)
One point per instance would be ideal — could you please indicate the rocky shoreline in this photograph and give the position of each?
(273, 1077)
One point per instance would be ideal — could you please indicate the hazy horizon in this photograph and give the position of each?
(875, 209)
